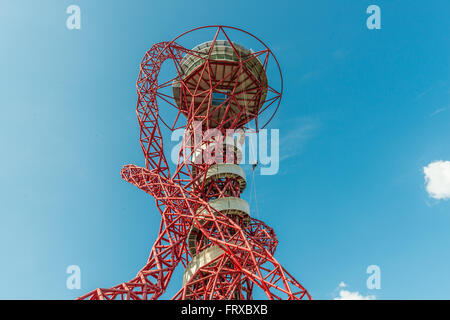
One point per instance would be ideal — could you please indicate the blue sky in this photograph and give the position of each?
(364, 111)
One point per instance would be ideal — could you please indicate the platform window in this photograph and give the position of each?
(219, 97)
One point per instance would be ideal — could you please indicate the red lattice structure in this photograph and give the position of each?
(219, 87)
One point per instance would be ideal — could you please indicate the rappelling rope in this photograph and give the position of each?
(254, 190)
(253, 193)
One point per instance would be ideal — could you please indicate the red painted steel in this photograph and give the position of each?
(248, 245)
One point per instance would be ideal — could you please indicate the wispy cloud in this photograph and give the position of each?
(309, 76)
(423, 93)
(293, 141)
(438, 111)
(340, 54)
(337, 56)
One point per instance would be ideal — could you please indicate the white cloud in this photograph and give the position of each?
(348, 295)
(437, 179)
(344, 294)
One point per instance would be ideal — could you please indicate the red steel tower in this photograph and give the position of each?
(220, 89)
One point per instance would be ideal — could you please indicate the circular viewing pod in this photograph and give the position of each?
(200, 260)
(222, 51)
(221, 84)
(228, 205)
(226, 170)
